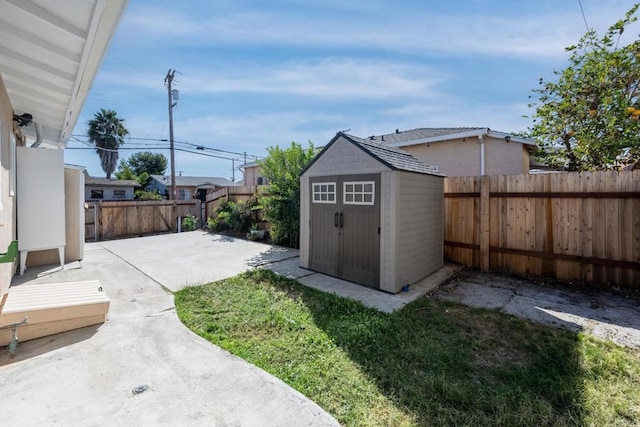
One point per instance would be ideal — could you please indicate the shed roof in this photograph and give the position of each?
(392, 157)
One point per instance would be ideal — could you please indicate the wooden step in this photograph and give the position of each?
(52, 308)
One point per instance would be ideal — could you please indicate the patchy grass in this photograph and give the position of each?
(431, 363)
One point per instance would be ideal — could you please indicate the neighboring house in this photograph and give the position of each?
(252, 174)
(189, 187)
(97, 189)
(50, 53)
(468, 151)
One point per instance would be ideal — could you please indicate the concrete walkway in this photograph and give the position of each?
(143, 366)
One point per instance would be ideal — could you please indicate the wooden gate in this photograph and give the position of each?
(345, 227)
(119, 219)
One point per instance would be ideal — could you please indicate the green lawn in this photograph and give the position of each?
(431, 363)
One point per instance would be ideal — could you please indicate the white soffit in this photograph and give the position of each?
(50, 52)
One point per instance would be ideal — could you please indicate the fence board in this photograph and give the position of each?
(592, 234)
(120, 219)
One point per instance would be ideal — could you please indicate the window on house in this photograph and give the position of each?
(183, 194)
(324, 192)
(96, 194)
(260, 181)
(359, 193)
(118, 194)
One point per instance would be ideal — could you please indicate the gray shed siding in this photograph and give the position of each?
(343, 158)
(412, 230)
(340, 159)
(420, 227)
(411, 210)
(388, 230)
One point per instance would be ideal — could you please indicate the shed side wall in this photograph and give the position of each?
(420, 227)
(388, 221)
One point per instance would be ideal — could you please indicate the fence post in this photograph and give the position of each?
(485, 212)
(97, 220)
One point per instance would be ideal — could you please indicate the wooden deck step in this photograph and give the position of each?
(52, 308)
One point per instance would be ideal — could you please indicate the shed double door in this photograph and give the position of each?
(345, 227)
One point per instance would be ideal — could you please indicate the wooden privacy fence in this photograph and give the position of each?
(572, 226)
(236, 194)
(118, 219)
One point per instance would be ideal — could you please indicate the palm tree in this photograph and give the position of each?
(106, 132)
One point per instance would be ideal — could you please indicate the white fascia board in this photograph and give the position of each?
(104, 21)
(448, 137)
(521, 140)
(248, 165)
(75, 167)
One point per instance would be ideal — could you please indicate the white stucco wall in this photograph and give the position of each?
(461, 157)
(250, 176)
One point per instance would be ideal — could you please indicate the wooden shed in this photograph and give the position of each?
(371, 214)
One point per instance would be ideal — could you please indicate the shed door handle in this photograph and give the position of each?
(341, 219)
(336, 220)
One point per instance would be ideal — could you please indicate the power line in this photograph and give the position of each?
(190, 144)
(199, 153)
(583, 15)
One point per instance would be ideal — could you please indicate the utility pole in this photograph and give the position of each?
(168, 80)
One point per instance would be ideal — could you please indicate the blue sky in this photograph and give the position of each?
(255, 74)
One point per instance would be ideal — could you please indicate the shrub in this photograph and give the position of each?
(281, 205)
(235, 216)
(148, 195)
(189, 223)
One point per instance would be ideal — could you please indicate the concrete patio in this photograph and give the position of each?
(143, 366)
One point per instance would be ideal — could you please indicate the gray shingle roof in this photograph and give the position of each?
(394, 158)
(103, 182)
(422, 133)
(195, 181)
(426, 135)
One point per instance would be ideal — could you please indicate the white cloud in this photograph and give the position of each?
(336, 78)
(518, 32)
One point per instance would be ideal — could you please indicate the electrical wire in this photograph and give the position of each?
(139, 147)
(583, 15)
(199, 147)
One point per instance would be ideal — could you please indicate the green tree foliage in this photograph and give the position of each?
(146, 161)
(140, 166)
(106, 132)
(587, 119)
(281, 205)
(235, 216)
(148, 195)
(126, 173)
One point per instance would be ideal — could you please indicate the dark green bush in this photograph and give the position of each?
(234, 216)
